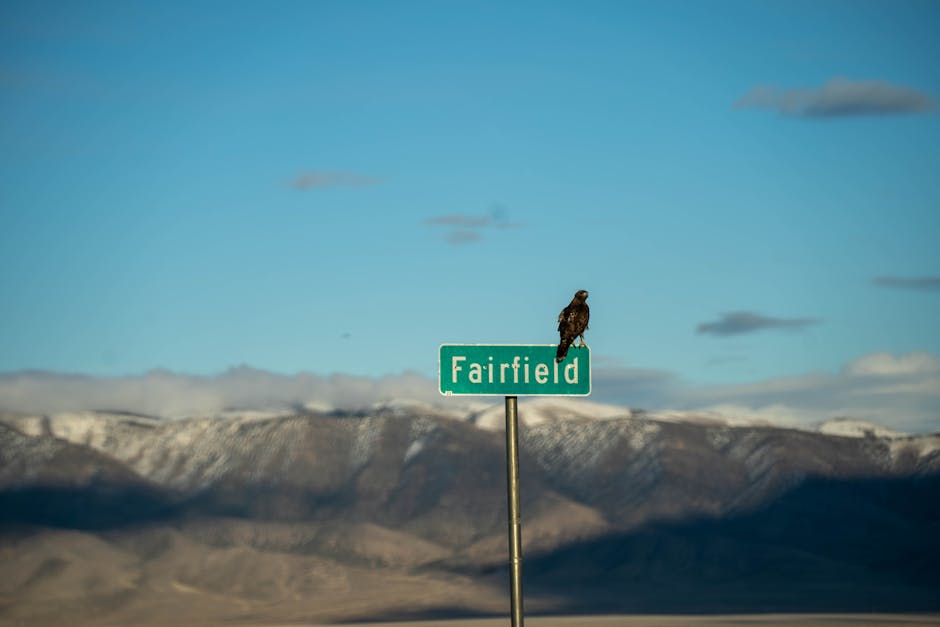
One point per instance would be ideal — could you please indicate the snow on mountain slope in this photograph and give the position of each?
(921, 447)
(575, 447)
(185, 454)
(252, 448)
(538, 411)
(900, 444)
(23, 456)
(851, 428)
(570, 437)
(709, 418)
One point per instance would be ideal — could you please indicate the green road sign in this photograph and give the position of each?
(513, 370)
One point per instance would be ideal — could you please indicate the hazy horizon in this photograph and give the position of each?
(896, 393)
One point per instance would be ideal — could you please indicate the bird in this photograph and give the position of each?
(572, 323)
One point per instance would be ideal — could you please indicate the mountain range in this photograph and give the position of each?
(399, 511)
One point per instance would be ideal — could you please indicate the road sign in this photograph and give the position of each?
(513, 370)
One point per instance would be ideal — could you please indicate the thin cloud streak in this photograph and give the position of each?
(460, 220)
(927, 283)
(463, 236)
(741, 322)
(464, 228)
(324, 179)
(839, 97)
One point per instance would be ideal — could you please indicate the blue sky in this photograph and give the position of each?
(749, 190)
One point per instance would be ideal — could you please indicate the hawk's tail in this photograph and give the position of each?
(562, 351)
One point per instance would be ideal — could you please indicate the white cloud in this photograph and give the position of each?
(774, 414)
(886, 364)
(167, 394)
(897, 391)
(901, 392)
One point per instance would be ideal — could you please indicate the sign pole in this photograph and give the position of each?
(515, 525)
(513, 370)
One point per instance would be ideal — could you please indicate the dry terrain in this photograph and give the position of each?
(730, 620)
(734, 620)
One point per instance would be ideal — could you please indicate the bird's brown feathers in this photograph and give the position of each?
(572, 323)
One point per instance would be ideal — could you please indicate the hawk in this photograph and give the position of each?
(572, 323)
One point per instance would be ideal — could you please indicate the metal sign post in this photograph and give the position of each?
(513, 370)
(515, 525)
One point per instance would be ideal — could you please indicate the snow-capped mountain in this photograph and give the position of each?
(418, 491)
